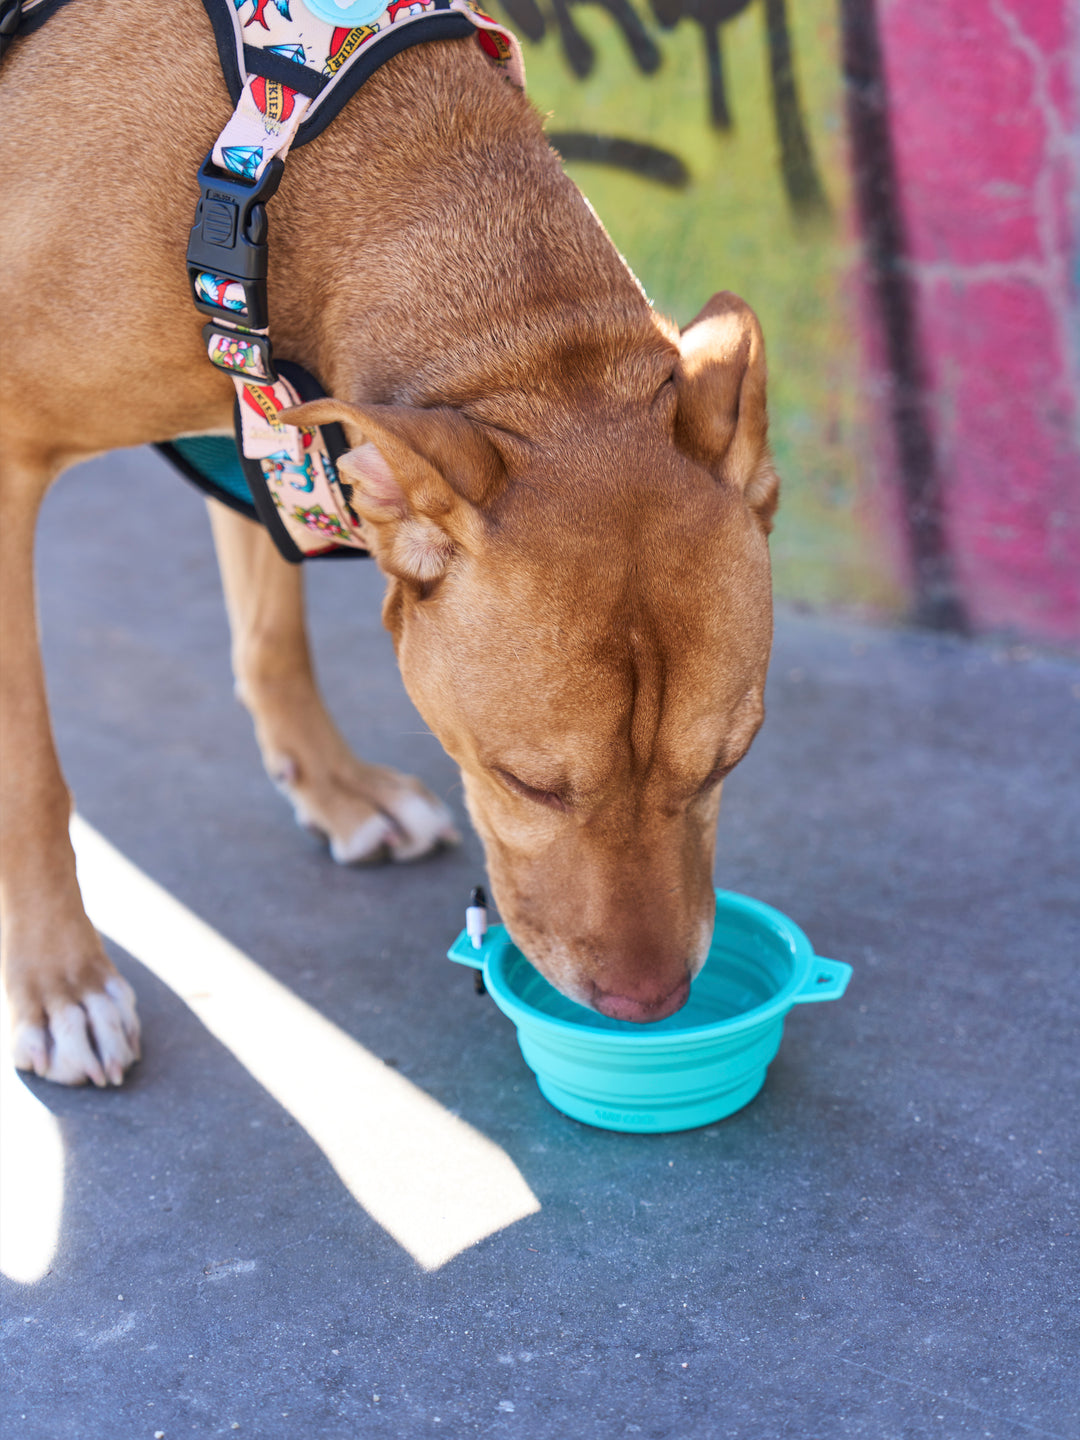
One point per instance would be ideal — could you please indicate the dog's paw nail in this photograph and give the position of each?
(112, 1020)
(118, 989)
(367, 842)
(72, 1060)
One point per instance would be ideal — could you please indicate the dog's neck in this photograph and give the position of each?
(435, 253)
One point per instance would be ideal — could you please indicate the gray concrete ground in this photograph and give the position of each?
(882, 1245)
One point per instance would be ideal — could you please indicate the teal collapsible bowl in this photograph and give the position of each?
(697, 1066)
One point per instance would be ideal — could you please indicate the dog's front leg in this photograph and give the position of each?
(366, 812)
(73, 1016)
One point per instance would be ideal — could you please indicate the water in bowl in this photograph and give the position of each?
(746, 967)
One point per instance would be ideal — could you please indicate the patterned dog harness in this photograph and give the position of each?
(290, 66)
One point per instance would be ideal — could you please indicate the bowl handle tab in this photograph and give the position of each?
(827, 980)
(465, 953)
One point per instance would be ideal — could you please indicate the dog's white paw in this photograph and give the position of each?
(366, 813)
(95, 1038)
(411, 824)
(370, 841)
(423, 824)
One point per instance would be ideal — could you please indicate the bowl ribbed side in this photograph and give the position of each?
(655, 1083)
(693, 1068)
(657, 1119)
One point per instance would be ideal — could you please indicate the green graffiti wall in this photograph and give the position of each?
(739, 224)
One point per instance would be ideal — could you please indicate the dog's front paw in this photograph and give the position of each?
(422, 823)
(73, 1016)
(367, 813)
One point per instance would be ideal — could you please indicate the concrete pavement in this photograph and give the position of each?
(884, 1244)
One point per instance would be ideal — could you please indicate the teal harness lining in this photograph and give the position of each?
(212, 462)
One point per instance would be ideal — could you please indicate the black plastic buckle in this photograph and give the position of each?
(228, 244)
(10, 20)
(238, 350)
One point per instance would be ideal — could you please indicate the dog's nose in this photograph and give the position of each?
(645, 1005)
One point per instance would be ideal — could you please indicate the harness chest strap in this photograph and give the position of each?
(296, 72)
(290, 66)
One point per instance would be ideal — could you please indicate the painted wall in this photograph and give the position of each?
(983, 101)
(749, 102)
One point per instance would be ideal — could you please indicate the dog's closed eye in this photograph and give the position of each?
(551, 798)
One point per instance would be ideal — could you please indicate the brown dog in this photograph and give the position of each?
(564, 493)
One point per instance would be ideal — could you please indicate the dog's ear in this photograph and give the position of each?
(721, 419)
(417, 478)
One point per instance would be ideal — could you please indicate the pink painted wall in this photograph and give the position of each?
(985, 123)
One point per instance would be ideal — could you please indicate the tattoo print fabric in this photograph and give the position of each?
(270, 113)
(300, 475)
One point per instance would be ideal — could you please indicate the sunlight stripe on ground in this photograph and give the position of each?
(31, 1175)
(427, 1177)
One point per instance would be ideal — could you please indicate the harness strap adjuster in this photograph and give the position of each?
(243, 353)
(227, 250)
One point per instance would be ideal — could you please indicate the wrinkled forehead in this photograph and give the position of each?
(592, 648)
(680, 578)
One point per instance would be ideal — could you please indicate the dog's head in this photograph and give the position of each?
(583, 617)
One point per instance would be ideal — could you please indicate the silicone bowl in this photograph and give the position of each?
(697, 1066)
